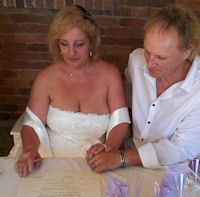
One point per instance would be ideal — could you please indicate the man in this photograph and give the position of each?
(164, 83)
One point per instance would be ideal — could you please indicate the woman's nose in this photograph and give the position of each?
(72, 50)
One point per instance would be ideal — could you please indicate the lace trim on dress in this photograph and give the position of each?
(69, 111)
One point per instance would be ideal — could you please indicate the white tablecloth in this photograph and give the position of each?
(132, 176)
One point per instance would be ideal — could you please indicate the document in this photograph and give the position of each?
(82, 183)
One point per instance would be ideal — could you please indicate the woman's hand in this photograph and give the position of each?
(96, 149)
(105, 161)
(26, 162)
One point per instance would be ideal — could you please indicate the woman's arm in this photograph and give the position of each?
(116, 101)
(38, 103)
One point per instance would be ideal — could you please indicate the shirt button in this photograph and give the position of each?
(148, 122)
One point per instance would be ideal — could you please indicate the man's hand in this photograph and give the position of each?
(105, 161)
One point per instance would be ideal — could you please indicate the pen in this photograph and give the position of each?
(22, 164)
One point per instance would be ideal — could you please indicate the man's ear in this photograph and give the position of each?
(188, 52)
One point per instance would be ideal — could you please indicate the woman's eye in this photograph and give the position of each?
(79, 44)
(63, 43)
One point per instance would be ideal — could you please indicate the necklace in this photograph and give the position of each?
(77, 79)
(74, 79)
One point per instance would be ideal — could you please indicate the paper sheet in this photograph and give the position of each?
(82, 183)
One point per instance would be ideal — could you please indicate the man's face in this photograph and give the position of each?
(164, 58)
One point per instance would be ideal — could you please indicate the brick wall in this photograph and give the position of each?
(23, 32)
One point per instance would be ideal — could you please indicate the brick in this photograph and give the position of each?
(138, 32)
(7, 91)
(7, 55)
(123, 61)
(38, 65)
(8, 107)
(27, 74)
(17, 99)
(1, 3)
(109, 40)
(17, 82)
(4, 116)
(68, 2)
(107, 21)
(98, 5)
(42, 38)
(123, 11)
(36, 28)
(10, 3)
(136, 3)
(38, 47)
(88, 4)
(118, 31)
(45, 19)
(49, 4)
(15, 115)
(1, 82)
(197, 13)
(132, 22)
(131, 41)
(194, 4)
(39, 3)
(24, 91)
(30, 3)
(60, 4)
(24, 18)
(26, 37)
(119, 49)
(108, 4)
(4, 18)
(15, 64)
(141, 12)
(14, 46)
(157, 3)
(79, 2)
(6, 37)
(119, 3)
(10, 28)
(21, 107)
(28, 56)
(9, 73)
(19, 4)
(3, 99)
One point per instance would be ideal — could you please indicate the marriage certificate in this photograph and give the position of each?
(83, 183)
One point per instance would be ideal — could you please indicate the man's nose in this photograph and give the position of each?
(151, 61)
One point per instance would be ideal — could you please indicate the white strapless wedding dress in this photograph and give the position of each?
(72, 133)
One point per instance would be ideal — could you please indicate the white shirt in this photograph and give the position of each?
(166, 129)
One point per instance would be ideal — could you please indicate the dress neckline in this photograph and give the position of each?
(72, 112)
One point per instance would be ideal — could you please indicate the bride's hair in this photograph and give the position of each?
(70, 17)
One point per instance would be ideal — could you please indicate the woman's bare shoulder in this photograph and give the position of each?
(47, 73)
(108, 68)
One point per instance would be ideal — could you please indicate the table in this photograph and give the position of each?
(9, 179)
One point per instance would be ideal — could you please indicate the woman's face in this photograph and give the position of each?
(74, 47)
(163, 56)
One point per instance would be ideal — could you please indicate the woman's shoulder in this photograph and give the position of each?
(107, 67)
(46, 73)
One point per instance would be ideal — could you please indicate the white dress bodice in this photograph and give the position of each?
(72, 133)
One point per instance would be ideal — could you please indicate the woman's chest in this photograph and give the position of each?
(86, 95)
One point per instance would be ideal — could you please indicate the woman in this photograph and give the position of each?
(71, 100)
